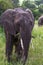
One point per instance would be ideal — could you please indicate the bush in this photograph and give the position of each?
(41, 8)
(27, 4)
(36, 13)
(5, 4)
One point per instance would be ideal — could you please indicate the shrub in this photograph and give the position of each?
(5, 4)
(28, 4)
(41, 8)
(36, 13)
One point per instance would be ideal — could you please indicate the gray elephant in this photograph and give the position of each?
(18, 25)
(40, 21)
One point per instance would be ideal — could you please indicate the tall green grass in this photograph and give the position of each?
(35, 55)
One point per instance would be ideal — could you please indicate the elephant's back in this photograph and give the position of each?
(41, 17)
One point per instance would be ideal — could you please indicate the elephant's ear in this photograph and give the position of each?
(30, 17)
(31, 14)
(9, 26)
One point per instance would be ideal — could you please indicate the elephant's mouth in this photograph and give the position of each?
(17, 34)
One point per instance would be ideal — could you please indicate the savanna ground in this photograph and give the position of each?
(35, 56)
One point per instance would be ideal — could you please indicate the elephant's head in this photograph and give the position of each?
(40, 21)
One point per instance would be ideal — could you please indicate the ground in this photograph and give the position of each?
(35, 56)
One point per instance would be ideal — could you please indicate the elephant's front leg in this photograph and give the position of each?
(25, 41)
(18, 49)
(9, 46)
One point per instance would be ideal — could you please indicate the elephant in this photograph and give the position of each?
(18, 25)
(40, 20)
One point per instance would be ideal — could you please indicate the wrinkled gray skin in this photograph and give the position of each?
(17, 21)
(40, 21)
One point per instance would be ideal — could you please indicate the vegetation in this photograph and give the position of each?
(36, 47)
(35, 56)
(36, 6)
(5, 4)
(16, 3)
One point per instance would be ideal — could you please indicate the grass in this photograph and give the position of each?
(35, 56)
